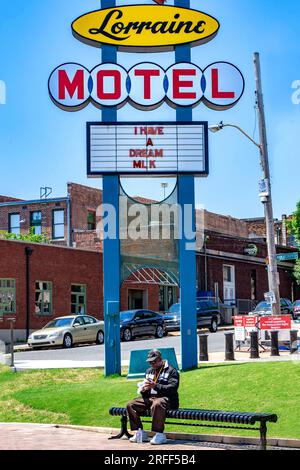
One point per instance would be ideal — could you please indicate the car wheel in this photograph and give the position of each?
(214, 326)
(100, 337)
(127, 335)
(68, 341)
(159, 332)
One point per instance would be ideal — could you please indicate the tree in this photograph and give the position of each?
(297, 272)
(28, 237)
(293, 224)
(293, 227)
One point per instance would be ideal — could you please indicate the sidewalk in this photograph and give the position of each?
(28, 436)
(15, 436)
(217, 357)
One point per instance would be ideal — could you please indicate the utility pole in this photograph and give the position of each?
(267, 199)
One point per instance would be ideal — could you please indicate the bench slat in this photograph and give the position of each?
(209, 415)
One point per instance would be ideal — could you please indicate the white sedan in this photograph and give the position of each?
(68, 330)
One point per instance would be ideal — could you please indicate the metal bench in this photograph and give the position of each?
(241, 420)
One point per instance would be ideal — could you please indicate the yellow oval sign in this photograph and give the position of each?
(145, 26)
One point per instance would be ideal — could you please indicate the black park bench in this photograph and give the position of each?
(239, 420)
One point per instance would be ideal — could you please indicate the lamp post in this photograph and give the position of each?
(28, 253)
(266, 197)
(164, 186)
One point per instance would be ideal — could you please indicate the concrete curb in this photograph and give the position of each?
(218, 438)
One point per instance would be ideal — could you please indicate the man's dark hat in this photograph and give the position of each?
(153, 355)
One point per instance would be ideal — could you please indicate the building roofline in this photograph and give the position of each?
(51, 245)
(33, 201)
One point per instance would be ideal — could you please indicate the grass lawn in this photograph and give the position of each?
(84, 396)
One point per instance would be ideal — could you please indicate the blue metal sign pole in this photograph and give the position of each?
(111, 247)
(187, 257)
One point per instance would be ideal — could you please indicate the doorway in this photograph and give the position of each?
(137, 298)
(229, 284)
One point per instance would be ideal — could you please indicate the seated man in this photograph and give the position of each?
(159, 393)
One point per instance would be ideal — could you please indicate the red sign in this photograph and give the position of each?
(245, 321)
(238, 321)
(278, 322)
(250, 321)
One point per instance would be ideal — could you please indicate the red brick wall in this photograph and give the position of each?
(61, 266)
(83, 200)
(153, 295)
(8, 199)
(25, 209)
(243, 278)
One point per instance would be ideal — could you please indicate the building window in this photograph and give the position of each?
(91, 220)
(36, 222)
(43, 298)
(167, 297)
(227, 273)
(58, 226)
(78, 299)
(14, 223)
(7, 296)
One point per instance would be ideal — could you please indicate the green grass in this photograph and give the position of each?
(84, 396)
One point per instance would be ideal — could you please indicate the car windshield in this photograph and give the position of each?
(263, 306)
(126, 316)
(59, 322)
(297, 303)
(174, 309)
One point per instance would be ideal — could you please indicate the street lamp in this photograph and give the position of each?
(164, 186)
(267, 201)
(221, 125)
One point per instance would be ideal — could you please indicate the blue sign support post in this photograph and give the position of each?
(111, 246)
(187, 257)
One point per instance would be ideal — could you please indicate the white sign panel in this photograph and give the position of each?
(134, 148)
(240, 333)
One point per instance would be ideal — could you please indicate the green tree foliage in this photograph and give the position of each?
(293, 227)
(293, 224)
(297, 272)
(28, 237)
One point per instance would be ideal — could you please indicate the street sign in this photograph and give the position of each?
(287, 256)
(270, 297)
(137, 148)
(278, 322)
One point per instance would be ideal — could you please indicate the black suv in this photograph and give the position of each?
(208, 316)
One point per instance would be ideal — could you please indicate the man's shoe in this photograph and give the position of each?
(144, 437)
(159, 438)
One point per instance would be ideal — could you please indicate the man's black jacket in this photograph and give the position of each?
(166, 386)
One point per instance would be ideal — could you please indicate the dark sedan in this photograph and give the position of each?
(208, 316)
(141, 322)
(265, 308)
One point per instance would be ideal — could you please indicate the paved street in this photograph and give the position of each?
(94, 352)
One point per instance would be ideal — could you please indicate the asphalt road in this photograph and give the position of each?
(216, 343)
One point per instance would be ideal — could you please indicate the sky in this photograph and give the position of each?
(41, 145)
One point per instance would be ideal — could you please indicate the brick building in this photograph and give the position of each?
(59, 281)
(65, 276)
(62, 220)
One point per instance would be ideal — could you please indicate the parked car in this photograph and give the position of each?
(208, 316)
(141, 322)
(68, 330)
(296, 310)
(264, 308)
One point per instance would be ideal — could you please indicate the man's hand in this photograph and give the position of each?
(149, 384)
